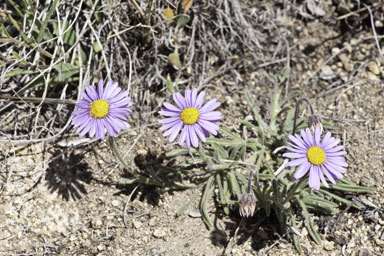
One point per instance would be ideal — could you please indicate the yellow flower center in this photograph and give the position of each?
(99, 108)
(316, 155)
(189, 115)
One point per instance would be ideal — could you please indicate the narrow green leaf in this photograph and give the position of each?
(182, 20)
(296, 239)
(65, 70)
(186, 205)
(47, 19)
(20, 71)
(350, 188)
(177, 152)
(308, 222)
(340, 199)
(203, 204)
(234, 184)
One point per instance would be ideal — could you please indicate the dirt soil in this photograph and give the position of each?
(58, 199)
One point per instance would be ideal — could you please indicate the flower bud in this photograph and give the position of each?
(313, 122)
(247, 204)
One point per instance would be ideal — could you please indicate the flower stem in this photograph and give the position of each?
(293, 190)
(297, 112)
(250, 182)
(116, 151)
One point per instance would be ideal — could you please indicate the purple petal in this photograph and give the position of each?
(176, 129)
(311, 139)
(299, 143)
(91, 92)
(306, 140)
(168, 120)
(326, 140)
(339, 153)
(100, 89)
(297, 147)
(211, 105)
(193, 97)
(210, 127)
(173, 131)
(296, 150)
(331, 166)
(164, 112)
(193, 136)
(179, 100)
(183, 135)
(302, 170)
(317, 135)
(297, 162)
(314, 179)
(329, 176)
(199, 132)
(211, 116)
(169, 125)
(111, 90)
(332, 144)
(200, 100)
(321, 175)
(188, 95)
(187, 138)
(111, 129)
(171, 107)
(335, 149)
(294, 155)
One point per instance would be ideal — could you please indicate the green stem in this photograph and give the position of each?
(293, 190)
(116, 151)
(297, 112)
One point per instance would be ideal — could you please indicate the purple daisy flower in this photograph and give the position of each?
(195, 120)
(101, 110)
(320, 158)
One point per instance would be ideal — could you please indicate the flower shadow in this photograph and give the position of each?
(66, 175)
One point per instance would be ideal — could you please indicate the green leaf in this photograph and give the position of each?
(340, 199)
(182, 20)
(174, 59)
(350, 188)
(203, 204)
(47, 19)
(229, 134)
(177, 152)
(186, 205)
(65, 70)
(321, 204)
(233, 181)
(308, 223)
(20, 71)
(296, 240)
(224, 142)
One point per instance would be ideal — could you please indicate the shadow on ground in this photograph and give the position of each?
(66, 175)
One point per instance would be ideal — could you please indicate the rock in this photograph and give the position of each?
(374, 68)
(373, 77)
(115, 203)
(329, 246)
(327, 73)
(304, 232)
(159, 233)
(153, 222)
(137, 224)
(348, 66)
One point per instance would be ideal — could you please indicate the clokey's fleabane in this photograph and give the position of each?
(320, 158)
(102, 110)
(195, 120)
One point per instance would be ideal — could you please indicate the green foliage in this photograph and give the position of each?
(226, 161)
(53, 54)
